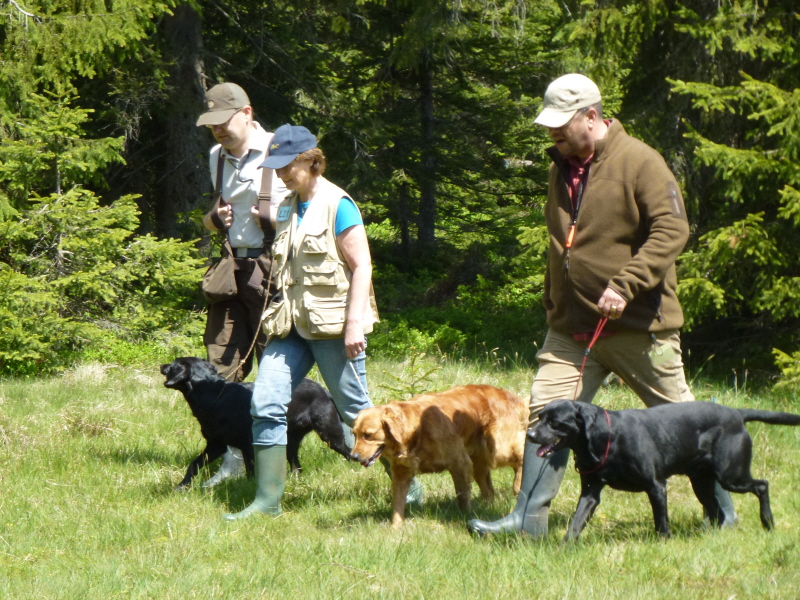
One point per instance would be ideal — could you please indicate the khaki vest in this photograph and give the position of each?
(311, 274)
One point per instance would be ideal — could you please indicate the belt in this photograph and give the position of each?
(585, 337)
(248, 252)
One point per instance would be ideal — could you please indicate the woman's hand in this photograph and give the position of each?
(354, 340)
(355, 249)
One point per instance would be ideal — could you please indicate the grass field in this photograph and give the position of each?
(87, 510)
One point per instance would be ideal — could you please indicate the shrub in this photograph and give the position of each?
(76, 278)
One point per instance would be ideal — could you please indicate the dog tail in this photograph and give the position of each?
(768, 416)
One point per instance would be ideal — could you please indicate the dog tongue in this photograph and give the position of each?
(544, 450)
(371, 460)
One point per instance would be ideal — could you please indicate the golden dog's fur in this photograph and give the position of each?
(466, 430)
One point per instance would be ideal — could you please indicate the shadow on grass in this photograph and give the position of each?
(144, 456)
(638, 529)
(444, 510)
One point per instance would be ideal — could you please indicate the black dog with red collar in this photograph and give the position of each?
(637, 450)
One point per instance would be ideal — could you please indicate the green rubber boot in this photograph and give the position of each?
(270, 479)
(726, 516)
(415, 491)
(541, 478)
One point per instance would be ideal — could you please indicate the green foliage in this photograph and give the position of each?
(67, 39)
(789, 364)
(371, 68)
(748, 137)
(715, 88)
(719, 256)
(47, 150)
(81, 282)
(77, 273)
(414, 379)
(487, 314)
(146, 350)
(425, 110)
(33, 337)
(395, 338)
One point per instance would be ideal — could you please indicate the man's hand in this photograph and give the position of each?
(225, 214)
(611, 304)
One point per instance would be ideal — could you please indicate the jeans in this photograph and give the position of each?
(284, 364)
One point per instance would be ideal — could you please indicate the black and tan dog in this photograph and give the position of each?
(223, 411)
(637, 450)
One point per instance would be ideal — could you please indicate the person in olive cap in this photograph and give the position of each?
(617, 224)
(322, 310)
(231, 325)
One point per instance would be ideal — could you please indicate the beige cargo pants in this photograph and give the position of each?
(650, 364)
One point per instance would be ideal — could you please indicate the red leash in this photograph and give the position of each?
(600, 324)
(608, 447)
(598, 330)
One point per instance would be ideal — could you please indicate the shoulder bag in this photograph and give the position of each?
(219, 281)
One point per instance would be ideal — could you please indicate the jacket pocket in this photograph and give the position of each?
(326, 316)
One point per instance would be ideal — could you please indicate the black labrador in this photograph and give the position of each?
(223, 411)
(636, 450)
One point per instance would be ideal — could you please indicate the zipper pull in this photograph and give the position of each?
(570, 236)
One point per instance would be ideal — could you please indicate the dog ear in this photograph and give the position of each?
(586, 414)
(202, 370)
(175, 372)
(394, 424)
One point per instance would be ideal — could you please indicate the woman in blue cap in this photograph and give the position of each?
(323, 307)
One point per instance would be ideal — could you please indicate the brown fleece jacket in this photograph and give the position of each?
(631, 227)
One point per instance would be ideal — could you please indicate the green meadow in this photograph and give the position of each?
(87, 510)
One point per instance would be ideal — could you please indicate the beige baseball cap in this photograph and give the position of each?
(222, 101)
(566, 96)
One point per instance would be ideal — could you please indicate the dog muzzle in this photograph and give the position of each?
(371, 460)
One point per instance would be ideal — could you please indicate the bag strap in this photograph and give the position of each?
(267, 301)
(218, 202)
(264, 202)
(269, 298)
(227, 248)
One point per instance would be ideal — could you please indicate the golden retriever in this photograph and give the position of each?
(466, 430)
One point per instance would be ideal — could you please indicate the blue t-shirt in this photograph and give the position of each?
(347, 214)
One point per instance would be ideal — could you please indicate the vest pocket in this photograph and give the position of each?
(315, 242)
(277, 319)
(279, 246)
(320, 274)
(326, 316)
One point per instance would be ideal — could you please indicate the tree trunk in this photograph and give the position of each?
(183, 182)
(426, 231)
(402, 219)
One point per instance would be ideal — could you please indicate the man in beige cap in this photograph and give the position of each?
(617, 224)
(232, 325)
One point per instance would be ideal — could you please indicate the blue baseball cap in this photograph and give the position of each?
(287, 143)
